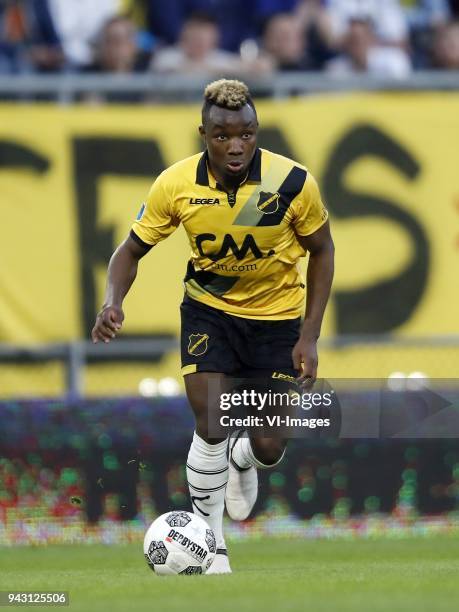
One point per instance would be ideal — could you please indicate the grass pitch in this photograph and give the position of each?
(413, 574)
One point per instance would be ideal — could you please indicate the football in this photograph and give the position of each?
(179, 542)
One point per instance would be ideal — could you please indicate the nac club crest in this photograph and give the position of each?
(197, 344)
(268, 203)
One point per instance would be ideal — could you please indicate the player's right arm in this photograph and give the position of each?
(122, 271)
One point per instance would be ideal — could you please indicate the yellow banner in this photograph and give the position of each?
(72, 180)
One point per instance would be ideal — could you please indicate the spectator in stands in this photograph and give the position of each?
(77, 22)
(423, 17)
(285, 42)
(363, 53)
(312, 23)
(426, 13)
(390, 22)
(116, 48)
(236, 19)
(316, 22)
(116, 51)
(28, 40)
(446, 47)
(12, 35)
(198, 52)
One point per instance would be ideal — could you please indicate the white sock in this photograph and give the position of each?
(207, 475)
(243, 457)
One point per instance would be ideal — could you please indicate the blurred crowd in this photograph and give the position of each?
(120, 458)
(228, 37)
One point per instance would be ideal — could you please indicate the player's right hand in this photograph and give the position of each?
(108, 322)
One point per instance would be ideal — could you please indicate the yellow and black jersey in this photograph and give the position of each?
(244, 252)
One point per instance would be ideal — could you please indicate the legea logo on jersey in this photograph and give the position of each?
(268, 203)
(141, 211)
(204, 201)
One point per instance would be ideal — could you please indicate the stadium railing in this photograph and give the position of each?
(67, 87)
(380, 354)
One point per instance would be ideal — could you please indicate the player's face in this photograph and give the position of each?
(231, 138)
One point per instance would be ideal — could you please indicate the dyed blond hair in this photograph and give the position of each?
(226, 93)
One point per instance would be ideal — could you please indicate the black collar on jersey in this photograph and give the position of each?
(254, 174)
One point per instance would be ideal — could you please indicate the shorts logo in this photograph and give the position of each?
(197, 344)
(268, 203)
(282, 376)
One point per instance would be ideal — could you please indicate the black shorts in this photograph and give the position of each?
(214, 341)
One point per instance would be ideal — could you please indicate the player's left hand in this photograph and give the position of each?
(305, 361)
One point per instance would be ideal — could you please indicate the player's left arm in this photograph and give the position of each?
(318, 281)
